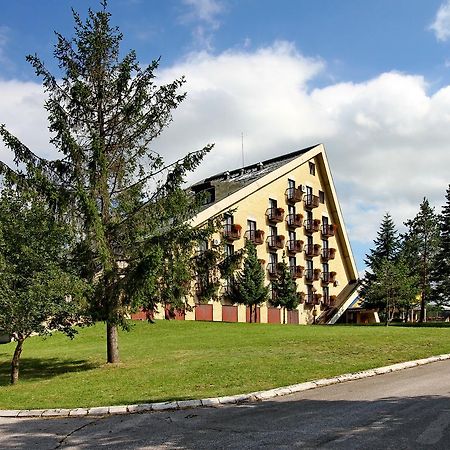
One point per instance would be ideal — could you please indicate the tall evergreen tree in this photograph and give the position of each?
(247, 285)
(440, 273)
(129, 207)
(285, 289)
(421, 243)
(386, 247)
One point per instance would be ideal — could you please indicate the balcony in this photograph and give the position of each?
(311, 226)
(275, 215)
(231, 232)
(328, 277)
(309, 275)
(301, 297)
(297, 271)
(333, 299)
(311, 201)
(293, 195)
(294, 246)
(328, 230)
(312, 250)
(255, 236)
(272, 270)
(316, 299)
(294, 220)
(328, 253)
(275, 242)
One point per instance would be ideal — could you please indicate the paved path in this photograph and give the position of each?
(409, 409)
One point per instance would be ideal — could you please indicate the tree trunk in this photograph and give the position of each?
(284, 316)
(112, 343)
(15, 362)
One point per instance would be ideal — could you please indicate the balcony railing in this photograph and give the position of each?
(311, 201)
(312, 250)
(275, 241)
(294, 246)
(309, 275)
(328, 253)
(255, 236)
(309, 298)
(275, 214)
(272, 270)
(293, 195)
(294, 220)
(301, 297)
(232, 232)
(328, 277)
(296, 271)
(311, 226)
(328, 230)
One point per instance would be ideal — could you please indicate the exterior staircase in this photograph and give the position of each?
(344, 300)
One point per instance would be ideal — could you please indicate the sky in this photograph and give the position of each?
(368, 79)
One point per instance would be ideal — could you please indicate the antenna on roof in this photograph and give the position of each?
(242, 148)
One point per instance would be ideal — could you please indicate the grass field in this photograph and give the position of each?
(182, 360)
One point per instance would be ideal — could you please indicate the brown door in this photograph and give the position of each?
(229, 313)
(204, 312)
(292, 316)
(273, 315)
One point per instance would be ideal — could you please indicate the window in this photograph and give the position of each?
(203, 246)
(273, 258)
(309, 217)
(292, 235)
(309, 265)
(321, 197)
(326, 295)
(324, 244)
(309, 294)
(312, 168)
(324, 220)
(292, 262)
(325, 268)
(229, 250)
(251, 227)
(291, 209)
(309, 241)
(272, 231)
(309, 191)
(272, 203)
(291, 184)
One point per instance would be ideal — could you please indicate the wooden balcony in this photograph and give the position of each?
(294, 220)
(297, 271)
(255, 236)
(294, 246)
(312, 250)
(275, 215)
(312, 226)
(275, 242)
(231, 232)
(293, 195)
(328, 230)
(328, 253)
(309, 275)
(317, 298)
(311, 201)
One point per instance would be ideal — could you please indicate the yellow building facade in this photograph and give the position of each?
(284, 205)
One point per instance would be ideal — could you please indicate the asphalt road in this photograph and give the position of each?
(409, 409)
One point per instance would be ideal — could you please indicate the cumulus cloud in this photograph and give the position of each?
(387, 138)
(441, 24)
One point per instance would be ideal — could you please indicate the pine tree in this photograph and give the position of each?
(386, 247)
(40, 291)
(420, 246)
(440, 274)
(394, 286)
(128, 206)
(247, 286)
(285, 289)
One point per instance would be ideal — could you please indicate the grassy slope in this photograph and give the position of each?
(181, 360)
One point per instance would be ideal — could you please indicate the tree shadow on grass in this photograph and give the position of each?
(34, 369)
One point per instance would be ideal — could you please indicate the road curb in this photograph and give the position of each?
(101, 411)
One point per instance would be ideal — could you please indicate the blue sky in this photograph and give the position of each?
(371, 80)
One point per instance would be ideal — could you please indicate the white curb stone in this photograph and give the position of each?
(98, 411)
(210, 402)
(56, 413)
(213, 401)
(182, 404)
(78, 412)
(118, 409)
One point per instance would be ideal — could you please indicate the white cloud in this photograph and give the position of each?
(204, 14)
(387, 138)
(441, 24)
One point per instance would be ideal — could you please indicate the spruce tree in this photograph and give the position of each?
(421, 243)
(128, 206)
(440, 273)
(247, 286)
(285, 289)
(386, 247)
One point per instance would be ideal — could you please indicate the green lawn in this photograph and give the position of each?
(183, 360)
